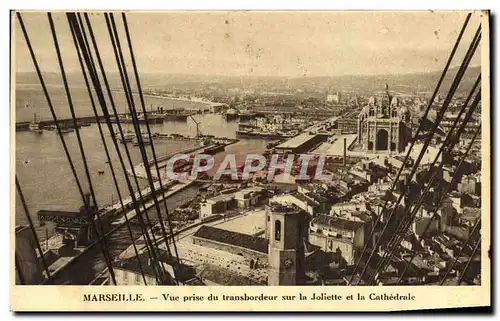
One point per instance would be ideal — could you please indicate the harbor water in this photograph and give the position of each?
(46, 178)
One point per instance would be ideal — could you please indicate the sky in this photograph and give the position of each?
(239, 43)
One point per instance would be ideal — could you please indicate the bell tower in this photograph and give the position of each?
(286, 246)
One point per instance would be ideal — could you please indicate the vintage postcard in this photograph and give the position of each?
(250, 160)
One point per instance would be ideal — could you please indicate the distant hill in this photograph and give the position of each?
(362, 84)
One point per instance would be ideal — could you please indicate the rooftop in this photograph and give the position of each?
(336, 222)
(232, 238)
(223, 276)
(59, 213)
(296, 141)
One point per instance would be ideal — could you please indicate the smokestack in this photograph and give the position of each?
(345, 151)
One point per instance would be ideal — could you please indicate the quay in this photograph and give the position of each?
(211, 149)
(116, 222)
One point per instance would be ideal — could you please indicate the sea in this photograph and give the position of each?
(45, 176)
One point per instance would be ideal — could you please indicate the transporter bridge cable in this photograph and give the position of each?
(130, 102)
(420, 128)
(77, 131)
(65, 147)
(453, 181)
(33, 232)
(87, 55)
(447, 146)
(108, 157)
(139, 87)
(474, 231)
(83, 43)
(415, 166)
(406, 223)
(473, 254)
(126, 82)
(450, 138)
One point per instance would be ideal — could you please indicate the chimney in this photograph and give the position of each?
(345, 151)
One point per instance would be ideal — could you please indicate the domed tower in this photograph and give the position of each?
(286, 246)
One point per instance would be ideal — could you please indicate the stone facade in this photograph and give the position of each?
(384, 125)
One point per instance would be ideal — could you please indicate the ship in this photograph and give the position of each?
(245, 133)
(128, 137)
(64, 130)
(145, 140)
(150, 119)
(34, 125)
(231, 114)
(173, 114)
(264, 128)
(247, 115)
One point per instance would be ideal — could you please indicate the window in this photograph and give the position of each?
(277, 230)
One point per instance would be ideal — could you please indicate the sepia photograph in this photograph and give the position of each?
(324, 151)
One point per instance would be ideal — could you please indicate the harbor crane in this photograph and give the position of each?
(198, 131)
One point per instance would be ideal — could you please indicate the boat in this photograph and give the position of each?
(247, 115)
(34, 125)
(127, 119)
(145, 140)
(67, 130)
(231, 114)
(259, 134)
(177, 114)
(128, 137)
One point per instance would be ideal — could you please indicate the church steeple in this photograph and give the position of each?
(286, 247)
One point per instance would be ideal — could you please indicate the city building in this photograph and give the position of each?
(129, 271)
(28, 263)
(339, 235)
(384, 125)
(216, 205)
(301, 143)
(247, 246)
(286, 244)
(347, 125)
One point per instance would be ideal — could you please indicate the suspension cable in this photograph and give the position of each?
(135, 123)
(95, 80)
(454, 178)
(108, 158)
(63, 141)
(139, 88)
(446, 146)
(78, 137)
(33, 230)
(130, 101)
(473, 254)
(80, 30)
(420, 128)
(458, 78)
(469, 238)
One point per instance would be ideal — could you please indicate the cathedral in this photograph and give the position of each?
(384, 125)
